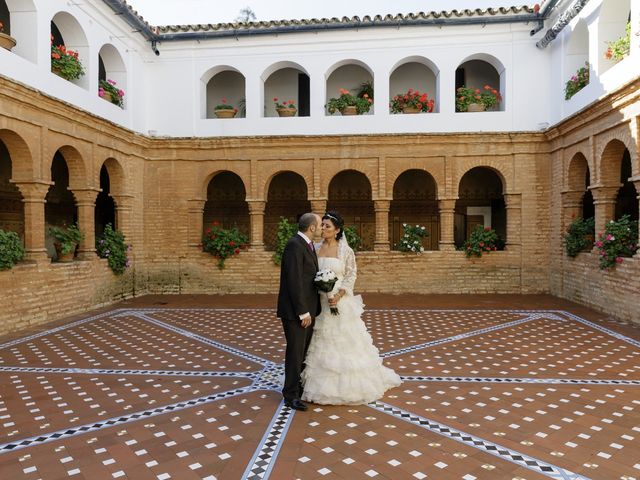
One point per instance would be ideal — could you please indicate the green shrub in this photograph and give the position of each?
(577, 82)
(223, 243)
(67, 237)
(285, 231)
(482, 239)
(354, 240)
(110, 245)
(11, 250)
(411, 240)
(620, 239)
(579, 236)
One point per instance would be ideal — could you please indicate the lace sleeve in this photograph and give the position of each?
(350, 271)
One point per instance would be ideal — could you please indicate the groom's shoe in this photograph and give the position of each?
(296, 404)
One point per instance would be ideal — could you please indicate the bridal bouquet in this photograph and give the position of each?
(325, 281)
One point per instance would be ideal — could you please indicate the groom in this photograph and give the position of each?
(298, 304)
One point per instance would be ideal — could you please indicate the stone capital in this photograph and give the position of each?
(34, 191)
(602, 194)
(85, 196)
(382, 205)
(256, 207)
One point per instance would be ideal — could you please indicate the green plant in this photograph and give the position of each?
(482, 239)
(225, 106)
(285, 231)
(110, 245)
(223, 243)
(347, 100)
(11, 250)
(284, 104)
(465, 96)
(577, 82)
(109, 86)
(580, 235)
(65, 62)
(411, 99)
(618, 49)
(353, 239)
(619, 240)
(411, 240)
(366, 90)
(67, 237)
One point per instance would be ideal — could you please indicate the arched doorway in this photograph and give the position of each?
(226, 203)
(11, 206)
(414, 202)
(60, 207)
(480, 202)
(287, 197)
(350, 195)
(105, 211)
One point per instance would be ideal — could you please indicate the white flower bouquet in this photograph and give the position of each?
(325, 281)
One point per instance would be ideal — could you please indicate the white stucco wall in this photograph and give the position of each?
(167, 94)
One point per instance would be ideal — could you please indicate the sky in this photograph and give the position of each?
(181, 12)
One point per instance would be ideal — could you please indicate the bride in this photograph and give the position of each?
(342, 365)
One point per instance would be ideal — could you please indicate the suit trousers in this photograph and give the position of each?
(298, 340)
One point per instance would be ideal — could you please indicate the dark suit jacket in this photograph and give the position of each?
(297, 293)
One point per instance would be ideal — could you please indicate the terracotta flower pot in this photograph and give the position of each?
(7, 41)
(64, 257)
(225, 113)
(107, 96)
(350, 110)
(286, 112)
(476, 107)
(411, 110)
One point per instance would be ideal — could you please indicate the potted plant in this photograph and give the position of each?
(348, 104)
(110, 245)
(65, 63)
(577, 82)
(579, 236)
(619, 240)
(482, 239)
(286, 108)
(476, 100)
(224, 110)
(285, 231)
(66, 240)
(6, 41)
(11, 250)
(108, 91)
(411, 102)
(618, 49)
(411, 240)
(223, 243)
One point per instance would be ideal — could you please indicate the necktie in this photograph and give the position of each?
(310, 246)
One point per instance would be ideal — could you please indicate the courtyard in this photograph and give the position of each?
(187, 387)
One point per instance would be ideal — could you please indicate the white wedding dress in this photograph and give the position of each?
(343, 367)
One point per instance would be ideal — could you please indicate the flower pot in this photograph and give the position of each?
(411, 110)
(107, 96)
(64, 257)
(7, 41)
(286, 112)
(350, 110)
(476, 107)
(225, 113)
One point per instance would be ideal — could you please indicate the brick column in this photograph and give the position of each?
(256, 216)
(513, 203)
(636, 184)
(604, 200)
(381, 242)
(195, 221)
(33, 198)
(447, 208)
(124, 222)
(86, 203)
(319, 206)
(571, 207)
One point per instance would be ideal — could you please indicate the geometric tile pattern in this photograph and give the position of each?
(194, 393)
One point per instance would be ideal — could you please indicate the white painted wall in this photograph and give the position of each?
(167, 94)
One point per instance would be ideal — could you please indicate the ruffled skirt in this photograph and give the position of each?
(343, 367)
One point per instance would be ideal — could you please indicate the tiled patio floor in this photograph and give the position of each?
(495, 387)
